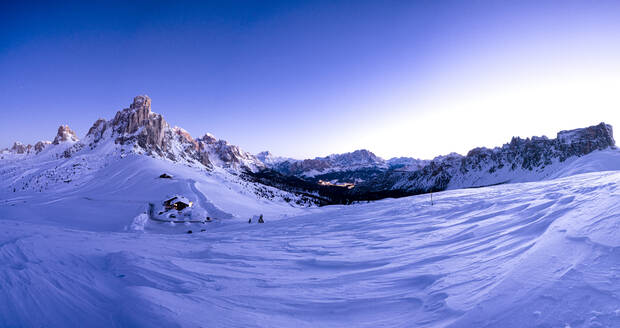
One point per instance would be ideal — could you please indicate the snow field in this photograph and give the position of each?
(540, 254)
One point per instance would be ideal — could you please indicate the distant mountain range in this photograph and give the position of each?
(137, 130)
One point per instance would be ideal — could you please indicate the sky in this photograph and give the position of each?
(311, 78)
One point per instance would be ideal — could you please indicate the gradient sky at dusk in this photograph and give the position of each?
(310, 78)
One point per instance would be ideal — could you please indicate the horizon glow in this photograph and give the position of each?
(399, 79)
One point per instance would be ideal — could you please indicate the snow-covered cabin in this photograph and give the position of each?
(177, 203)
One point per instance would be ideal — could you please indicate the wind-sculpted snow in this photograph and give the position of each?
(539, 254)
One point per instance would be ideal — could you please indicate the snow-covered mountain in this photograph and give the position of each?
(540, 254)
(406, 163)
(80, 245)
(368, 177)
(137, 129)
(135, 135)
(270, 160)
(359, 159)
(520, 160)
(226, 155)
(353, 167)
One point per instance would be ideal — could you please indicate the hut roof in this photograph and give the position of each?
(176, 199)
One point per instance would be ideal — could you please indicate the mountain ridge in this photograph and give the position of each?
(138, 130)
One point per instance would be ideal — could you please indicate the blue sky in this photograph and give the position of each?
(310, 78)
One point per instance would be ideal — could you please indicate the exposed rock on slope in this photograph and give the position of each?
(354, 167)
(521, 159)
(271, 160)
(21, 149)
(228, 156)
(39, 146)
(359, 159)
(137, 129)
(146, 132)
(65, 134)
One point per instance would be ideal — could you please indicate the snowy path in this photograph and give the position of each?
(213, 210)
(518, 255)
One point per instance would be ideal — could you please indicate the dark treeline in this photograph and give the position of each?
(322, 194)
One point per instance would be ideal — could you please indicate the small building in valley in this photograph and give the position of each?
(177, 203)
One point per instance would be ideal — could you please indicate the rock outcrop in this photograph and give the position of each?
(271, 160)
(148, 132)
(39, 146)
(359, 159)
(228, 156)
(483, 166)
(20, 148)
(138, 124)
(65, 134)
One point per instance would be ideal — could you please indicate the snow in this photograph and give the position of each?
(139, 222)
(85, 253)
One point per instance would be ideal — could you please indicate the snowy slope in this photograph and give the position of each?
(601, 160)
(100, 189)
(80, 245)
(542, 254)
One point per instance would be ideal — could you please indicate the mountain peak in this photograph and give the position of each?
(142, 102)
(65, 134)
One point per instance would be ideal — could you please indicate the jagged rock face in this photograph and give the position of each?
(39, 146)
(406, 163)
(97, 130)
(359, 159)
(20, 148)
(208, 139)
(522, 155)
(227, 155)
(65, 134)
(190, 147)
(586, 140)
(130, 119)
(138, 124)
(270, 160)
(186, 138)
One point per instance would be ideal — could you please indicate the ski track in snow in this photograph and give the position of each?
(539, 254)
(206, 204)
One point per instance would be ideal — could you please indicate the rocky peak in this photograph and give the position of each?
(138, 124)
(20, 148)
(97, 130)
(226, 155)
(185, 137)
(269, 159)
(64, 134)
(141, 103)
(39, 146)
(129, 120)
(598, 136)
(264, 154)
(518, 159)
(208, 138)
(358, 157)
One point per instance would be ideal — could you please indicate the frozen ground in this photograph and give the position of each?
(543, 254)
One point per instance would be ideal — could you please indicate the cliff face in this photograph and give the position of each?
(484, 166)
(138, 130)
(149, 132)
(138, 124)
(65, 134)
(228, 156)
(356, 160)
